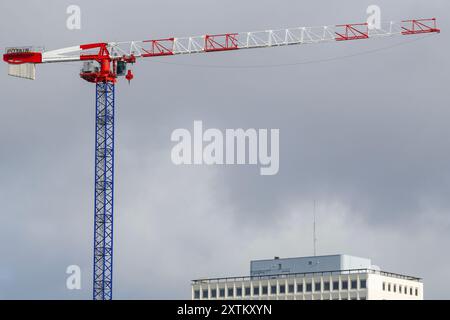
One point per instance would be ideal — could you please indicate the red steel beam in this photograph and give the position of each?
(221, 42)
(354, 31)
(103, 53)
(420, 26)
(160, 47)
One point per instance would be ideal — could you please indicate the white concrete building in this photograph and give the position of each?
(335, 277)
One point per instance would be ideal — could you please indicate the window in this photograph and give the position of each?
(221, 292)
(230, 292)
(410, 291)
(354, 284)
(300, 288)
(197, 294)
(273, 289)
(291, 288)
(308, 287)
(336, 285)
(362, 284)
(205, 294)
(326, 286)
(417, 292)
(264, 290)
(406, 290)
(238, 292)
(395, 288)
(353, 298)
(213, 293)
(389, 287)
(318, 286)
(247, 291)
(282, 289)
(344, 285)
(384, 286)
(362, 298)
(399, 288)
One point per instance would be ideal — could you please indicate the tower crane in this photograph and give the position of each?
(105, 62)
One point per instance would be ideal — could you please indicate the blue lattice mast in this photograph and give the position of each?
(104, 191)
(104, 75)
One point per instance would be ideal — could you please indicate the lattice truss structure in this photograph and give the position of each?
(130, 50)
(104, 190)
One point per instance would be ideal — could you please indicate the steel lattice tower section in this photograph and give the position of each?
(104, 191)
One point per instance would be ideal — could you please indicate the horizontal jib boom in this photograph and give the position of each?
(130, 50)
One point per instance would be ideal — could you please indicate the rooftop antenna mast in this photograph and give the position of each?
(314, 230)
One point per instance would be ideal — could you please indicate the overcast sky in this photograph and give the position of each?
(367, 137)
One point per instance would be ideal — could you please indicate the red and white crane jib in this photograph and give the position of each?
(269, 38)
(130, 50)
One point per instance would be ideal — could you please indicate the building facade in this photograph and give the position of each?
(311, 278)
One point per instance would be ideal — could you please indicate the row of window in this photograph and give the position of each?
(309, 287)
(401, 289)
